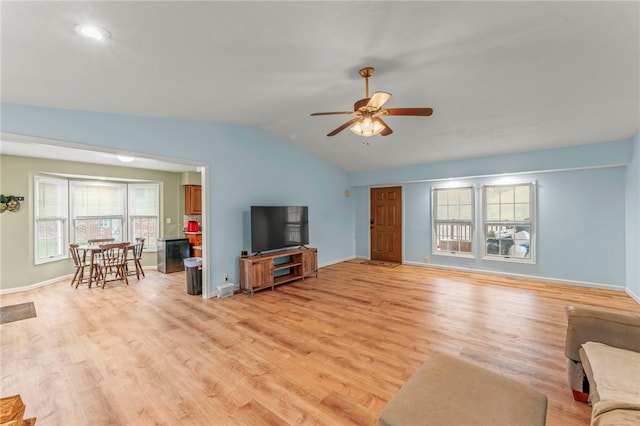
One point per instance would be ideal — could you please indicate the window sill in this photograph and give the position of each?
(51, 259)
(454, 254)
(510, 259)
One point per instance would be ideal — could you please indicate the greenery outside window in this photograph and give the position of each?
(509, 226)
(453, 220)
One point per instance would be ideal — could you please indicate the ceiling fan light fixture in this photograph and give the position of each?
(367, 127)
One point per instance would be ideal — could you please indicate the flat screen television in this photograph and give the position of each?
(277, 227)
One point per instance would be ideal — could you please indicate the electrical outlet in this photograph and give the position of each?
(470, 265)
(426, 259)
(168, 220)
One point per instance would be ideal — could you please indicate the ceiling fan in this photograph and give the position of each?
(368, 111)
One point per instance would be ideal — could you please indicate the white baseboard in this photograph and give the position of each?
(49, 282)
(634, 296)
(521, 276)
(336, 261)
(36, 285)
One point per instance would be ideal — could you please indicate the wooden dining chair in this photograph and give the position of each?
(98, 241)
(80, 261)
(134, 261)
(112, 263)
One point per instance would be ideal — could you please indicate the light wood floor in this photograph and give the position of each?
(327, 351)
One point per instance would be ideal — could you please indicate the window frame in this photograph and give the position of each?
(121, 215)
(150, 243)
(529, 222)
(67, 221)
(436, 222)
(62, 219)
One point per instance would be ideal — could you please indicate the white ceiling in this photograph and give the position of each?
(501, 76)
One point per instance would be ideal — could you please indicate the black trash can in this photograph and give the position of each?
(193, 268)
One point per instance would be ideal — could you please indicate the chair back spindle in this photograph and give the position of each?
(112, 263)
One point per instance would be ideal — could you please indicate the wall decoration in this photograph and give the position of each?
(10, 203)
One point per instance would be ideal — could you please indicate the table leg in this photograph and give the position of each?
(91, 270)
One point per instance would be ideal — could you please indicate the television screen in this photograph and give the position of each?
(276, 227)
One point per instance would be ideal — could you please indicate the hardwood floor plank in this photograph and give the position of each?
(330, 350)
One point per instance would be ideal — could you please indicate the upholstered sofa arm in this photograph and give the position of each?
(618, 329)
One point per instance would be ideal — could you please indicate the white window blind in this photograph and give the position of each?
(51, 217)
(144, 213)
(98, 211)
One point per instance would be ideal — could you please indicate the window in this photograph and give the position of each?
(80, 211)
(508, 226)
(50, 216)
(144, 213)
(453, 220)
(97, 211)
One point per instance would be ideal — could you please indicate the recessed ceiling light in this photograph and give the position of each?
(125, 158)
(93, 31)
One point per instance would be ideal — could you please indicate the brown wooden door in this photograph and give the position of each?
(386, 224)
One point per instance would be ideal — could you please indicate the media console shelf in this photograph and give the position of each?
(272, 269)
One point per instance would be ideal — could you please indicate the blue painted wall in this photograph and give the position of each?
(592, 155)
(588, 203)
(633, 221)
(580, 212)
(246, 166)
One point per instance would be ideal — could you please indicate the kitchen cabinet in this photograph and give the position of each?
(192, 199)
(195, 243)
(195, 238)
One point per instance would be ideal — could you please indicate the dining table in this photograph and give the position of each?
(92, 250)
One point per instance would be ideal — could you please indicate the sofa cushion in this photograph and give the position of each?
(614, 373)
(609, 413)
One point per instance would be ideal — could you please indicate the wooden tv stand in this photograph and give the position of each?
(272, 269)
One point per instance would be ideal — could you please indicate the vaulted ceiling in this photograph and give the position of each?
(501, 76)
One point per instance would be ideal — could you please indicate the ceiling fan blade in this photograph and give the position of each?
(378, 99)
(344, 126)
(333, 113)
(408, 111)
(387, 130)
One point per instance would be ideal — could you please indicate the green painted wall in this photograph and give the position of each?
(17, 268)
